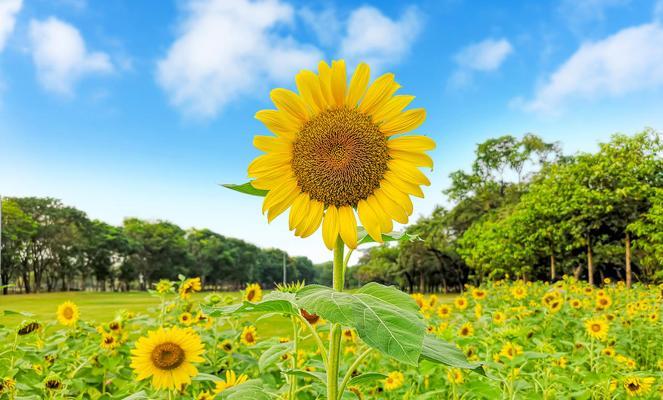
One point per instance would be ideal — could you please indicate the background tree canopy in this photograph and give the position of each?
(523, 210)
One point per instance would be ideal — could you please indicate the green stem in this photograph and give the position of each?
(318, 341)
(335, 333)
(11, 364)
(351, 370)
(293, 378)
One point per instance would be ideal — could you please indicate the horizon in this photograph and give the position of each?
(129, 119)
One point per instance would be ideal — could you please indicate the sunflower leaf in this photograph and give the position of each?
(363, 236)
(274, 306)
(366, 377)
(441, 352)
(246, 188)
(272, 355)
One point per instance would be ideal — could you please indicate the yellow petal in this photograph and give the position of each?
(267, 162)
(273, 179)
(399, 197)
(315, 211)
(378, 93)
(392, 108)
(278, 209)
(338, 82)
(348, 226)
(290, 103)
(416, 158)
(279, 194)
(325, 74)
(330, 227)
(412, 143)
(395, 211)
(408, 172)
(272, 144)
(276, 122)
(358, 84)
(298, 210)
(386, 225)
(403, 186)
(308, 85)
(369, 220)
(404, 122)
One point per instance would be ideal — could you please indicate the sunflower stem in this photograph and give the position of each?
(293, 378)
(351, 370)
(338, 281)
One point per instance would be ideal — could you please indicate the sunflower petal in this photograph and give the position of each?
(315, 210)
(272, 144)
(416, 158)
(386, 225)
(325, 74)
(338, 82)
(404, 122)
(378, 93)
(298, 210)
(392, 108)
(403, 186)
(290, 103)
(330, 227)
(369, 220)
(408, 172)
(266, 163)
(278, 209)
(412, 143)
(399, 197)
(308, 85)
(276, 122)
(348, 226)
(395, 211)
(358, 84)
(280, 193)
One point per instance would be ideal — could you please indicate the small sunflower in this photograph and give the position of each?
(67, 313)
(53, 383)
(108, 342)
(167, 355)
(115, 326)
(636, 386)
(479, 294)
(575, 303)
(164, 286)
(608, 351)
(349, 335)
(432, 301)
(249, 336)
(231, 380)
(603, 302)
(420, 299)
(334, 154)
(519, 292)
(253, 293)
(205, 396)
(190, 286)
(7, 385)
(227, 346)
(454, 375)
(499, 317)
(466, 330)
(186, 318)
(510, 350)
(444, 311)
(394, 380)
(460, 303)
(597, 328)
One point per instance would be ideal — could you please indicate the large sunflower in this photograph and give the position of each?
(335, 153)
(167, 356)
(67, 313)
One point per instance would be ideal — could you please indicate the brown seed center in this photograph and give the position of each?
(340, 157)
(167, 356)
(68, 313)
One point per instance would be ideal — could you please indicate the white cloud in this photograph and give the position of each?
(226, 49)
(60, 55)
(324, 23)
(375, 38)
(627, 61)
(580, 12)
(486, 55)
(8, 11)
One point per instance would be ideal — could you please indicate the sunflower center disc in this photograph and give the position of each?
(340, 157)
(167, 356)
(68, 313)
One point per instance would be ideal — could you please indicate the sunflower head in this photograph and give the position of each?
(253, 293)
(444, 311)
(460, 303)
(394, 380)
(334, 156)
(108, 341)
(53, 382)
(190, 286)
(67, 313)
(636, 386)
(227, 345)
(597, 328)
(231, 380)
(466, 330)
(167, 355)
(27, 327)
(249, 336)
(454, 375)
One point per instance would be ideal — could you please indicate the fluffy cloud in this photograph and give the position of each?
(60, 55)
(227, 49)
(581, 12)
(484, 56)
(8, 11)
(375, 38)
(629, 60)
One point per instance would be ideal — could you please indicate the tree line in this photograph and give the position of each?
(524, 210)
(49, 246)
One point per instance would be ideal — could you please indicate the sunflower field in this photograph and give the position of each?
(521, 340)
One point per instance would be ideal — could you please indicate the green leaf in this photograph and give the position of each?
(367, 377)
(272, 355)
(12, 312)
(206, 377)
(137, 396)
(321, 376)
(252, 389)
(246, 188)
(364, 237)
(385, 318)
(278, 306)
(441, 352)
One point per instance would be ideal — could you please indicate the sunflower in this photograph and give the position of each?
(108, 341)
(479, 294)
(466, 330)
(636, 386)
(432, 301)
(249, 336)
(510, 350)
(7, 385)
(167, 356)
(350, 335)
(334, 154)
(597, 328)
(608, 351)
(575, 303)
(164, 286)
(115, 326)
(499, 317)
(460, 303)
(53, 382)
(190, 286)
(603, 302)
(186, 318)
(227, 346)
(231, 380)
(454, 375)
(519, 292)
(67, 313)
(28, 327)
(253, 293)
(394, 380)
(205, 396)
(444, 311)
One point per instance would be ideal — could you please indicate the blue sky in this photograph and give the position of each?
(126, 108)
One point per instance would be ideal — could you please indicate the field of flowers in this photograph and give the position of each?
(534, 340)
